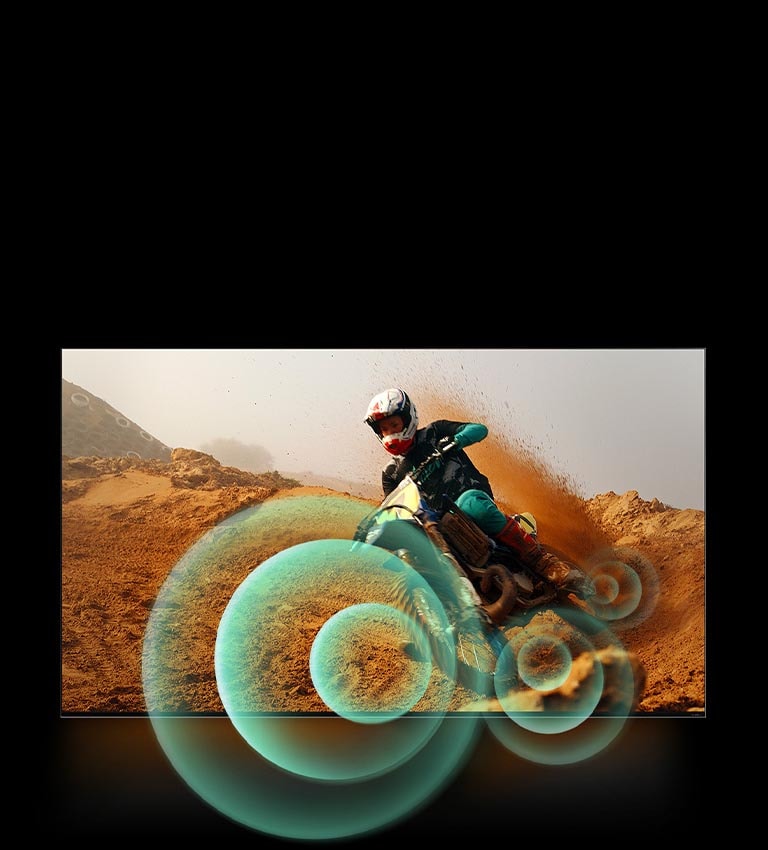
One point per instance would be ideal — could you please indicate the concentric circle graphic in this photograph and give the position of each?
(549, 678)
(544, 662)
(332, 669)
(227, 774)
(345, 678)
(257, 624)
(280, 761)
(577, 744)
(606, 589)
(554, 717)
(626, 584)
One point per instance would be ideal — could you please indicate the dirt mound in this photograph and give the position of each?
(188, 469)
(127, 521)
(669, 636)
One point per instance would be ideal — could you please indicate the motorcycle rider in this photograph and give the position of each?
(392, 416)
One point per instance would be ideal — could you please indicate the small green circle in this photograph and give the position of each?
(624, 599)
(518, 680)
(544, 662)
(607, 589)
(344, 669)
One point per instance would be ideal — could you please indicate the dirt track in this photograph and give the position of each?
(127, 522)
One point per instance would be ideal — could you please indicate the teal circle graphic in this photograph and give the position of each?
(341, 669)
(580, 743)
(606, 589)
(277, 761)
(625, 592)
(544, 662)
(543, 709)
(585, 712)
(626, 583)
(257, 626)
(220, 767)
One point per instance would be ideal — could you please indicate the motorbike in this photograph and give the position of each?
(479, 583)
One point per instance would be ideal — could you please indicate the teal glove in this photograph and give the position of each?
(471, 433)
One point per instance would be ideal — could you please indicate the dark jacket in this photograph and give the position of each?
(456, 474)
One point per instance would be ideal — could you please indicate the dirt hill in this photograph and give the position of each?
(127, 521)
(670, 639)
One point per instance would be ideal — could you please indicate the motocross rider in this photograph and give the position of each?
(392, 416)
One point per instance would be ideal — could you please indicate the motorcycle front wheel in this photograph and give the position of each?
(469, 648)
(477, 653)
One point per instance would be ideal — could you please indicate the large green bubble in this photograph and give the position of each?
(198, 589)
(276, 767)
(257, 625)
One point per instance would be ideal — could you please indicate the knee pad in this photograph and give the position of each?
(481, 508)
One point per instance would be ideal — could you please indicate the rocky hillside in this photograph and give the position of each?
(90, 426)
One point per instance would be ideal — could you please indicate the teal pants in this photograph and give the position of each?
(480, 507)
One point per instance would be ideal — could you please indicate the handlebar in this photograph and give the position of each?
(426, 466)
(428, 461)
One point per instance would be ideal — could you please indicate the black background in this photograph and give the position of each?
(111, 779)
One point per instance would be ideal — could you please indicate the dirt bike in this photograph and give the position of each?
(480, 583)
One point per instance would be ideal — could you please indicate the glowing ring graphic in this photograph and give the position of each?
(627, 586)
(417, 754)
(257, 629)
(279, 772)
(340, 668)
(550, 727)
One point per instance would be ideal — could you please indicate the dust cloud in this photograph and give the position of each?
(521, 477)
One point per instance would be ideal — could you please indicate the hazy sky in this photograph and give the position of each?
(611, 419)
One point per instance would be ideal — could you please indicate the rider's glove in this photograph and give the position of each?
(447, 444)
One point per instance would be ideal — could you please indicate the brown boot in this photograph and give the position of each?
(552, 568)
(564, 575)
(530, 552)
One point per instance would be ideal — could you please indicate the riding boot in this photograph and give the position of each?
(530, 552)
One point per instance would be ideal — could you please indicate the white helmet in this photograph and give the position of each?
(393, 402)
